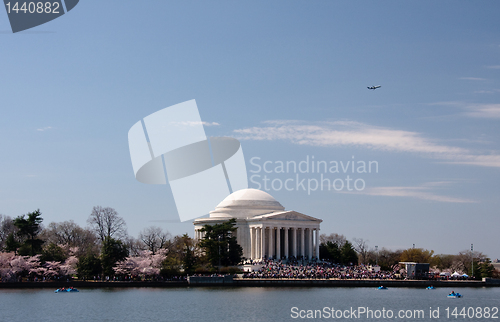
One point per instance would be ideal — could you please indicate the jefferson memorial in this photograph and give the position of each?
(265, 228)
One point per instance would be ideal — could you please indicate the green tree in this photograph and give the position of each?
(113, 251)
(29, 228)
(88, 266)
(11, 244)
(417, 255)
(190, 259)
(171, 267)
(53, 252)
(330, 251)
(348, 255)
(482, 269)
(220, 244)
(181, 258)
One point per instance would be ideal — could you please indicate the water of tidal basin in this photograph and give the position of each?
(226, 304)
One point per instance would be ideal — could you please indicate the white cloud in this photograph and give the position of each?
(44, 128)
(424, 192)
(347, 133)
(481, 160)
(355, 134)
(493, 67)
(483, 110)
(479, 110)
(210, 124)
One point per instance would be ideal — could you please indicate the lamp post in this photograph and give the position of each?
(472, 258)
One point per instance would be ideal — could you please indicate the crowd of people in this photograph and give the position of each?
(315, 270)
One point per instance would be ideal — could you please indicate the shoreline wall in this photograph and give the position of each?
(239, 282)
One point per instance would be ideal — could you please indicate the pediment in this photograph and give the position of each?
(288, 215)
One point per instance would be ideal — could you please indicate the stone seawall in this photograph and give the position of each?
(228, 281)
(204, 280)
(80, 284)
(357, 283)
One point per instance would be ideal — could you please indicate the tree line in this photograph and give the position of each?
(104, 249)
(337, 249)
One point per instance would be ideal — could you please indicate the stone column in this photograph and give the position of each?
(258, 234)
(286, 242)
(252, 243)
(257, 244)
(310, 247)
(261, 243)
(294, 242)
(278, 243)
(302, 242)
(264, 241)
(271, 242)
(317, 243)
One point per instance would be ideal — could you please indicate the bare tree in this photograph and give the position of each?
(387, 259)
(334, 238)
(154, 238)
(134, 246)
(444, 261)
(6, 228)
(107, 224)
(361, 247)
(463, 261)
(70, 235)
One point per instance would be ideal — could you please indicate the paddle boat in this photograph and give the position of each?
(382, 287)
(431, 287)
(454, 295)
(65, 290)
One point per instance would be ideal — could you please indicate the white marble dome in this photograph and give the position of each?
(246, 203)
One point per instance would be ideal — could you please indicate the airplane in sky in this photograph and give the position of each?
(374, 87)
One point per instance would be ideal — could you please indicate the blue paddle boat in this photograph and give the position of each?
(382, 288)
(454, 295)
(431, 287)
(66, 290)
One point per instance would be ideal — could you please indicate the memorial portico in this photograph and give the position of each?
(265, 228)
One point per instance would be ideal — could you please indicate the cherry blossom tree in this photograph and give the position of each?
(6, 272)
(52, 268)
(13, 266)
(145, 265)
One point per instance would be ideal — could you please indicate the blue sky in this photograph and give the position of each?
(288, 78)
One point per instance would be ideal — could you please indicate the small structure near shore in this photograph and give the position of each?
(416, 270)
